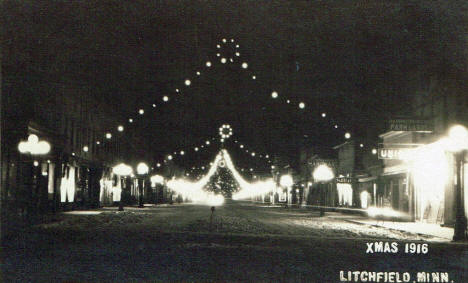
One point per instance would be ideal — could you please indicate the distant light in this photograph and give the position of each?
(85, 148)
(251, 169)
(35, 163)
(324, 115)
(33, 139)
(245, 65)
(120, 128)
(254, 77)
(196, 149)
(130, 120)
(165, 99)
(198, 73)
(188, 82)
(98, 142)
(253, 153)
(237, 45)
(223, 60)
(157, 179)
(141, 111)
(241, 146)
(142, 168)
(73, 153)
(374, 151)
(274, 94)
(347, 135)
(302, 105)
(218, 54)
(154, 105)
(208, 64)
(203, 167)
(218, 46)
(169, 157)
(232, 60)
(48, 161)
(182, 152)
(288, 101)
(158, 165)
(336, 126)
(207, 142)
(232, 39)
(108, 136)
(267, 156)
(361, 145)
(176, 90)
(237, 54)
(272, 166)
(224, 40)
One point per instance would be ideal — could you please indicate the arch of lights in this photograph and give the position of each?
(194, 190)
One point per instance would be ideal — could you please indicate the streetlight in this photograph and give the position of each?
(458, 137)
(142, 170)
(322, 174)
(287, 181)
(122, 170)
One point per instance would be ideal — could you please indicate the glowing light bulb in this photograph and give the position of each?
(245, 65)
(207, 142)
(232, 39)
(35, 163)
(98, 142)
(237, 45)
(324, 115)
(188, 82)
(224, 40)
(288, 101)
(182, 152)
(253, 153)
(237, 54)
(302, 105)
(154, 105)
(85, 148)
(108, 136)
(158, 165)
(165, 99)
(120, 128)
(254, 77)
(231, 60)
(208, 64)
(169, 157)
(274, 94)
(374, 151)
(218, 46)
(141, 111)
(176, 90)
(361, 145)
(33, 138)
(336, 126)
(218, 54)
(196, 149)
(198, 73)
(130, 120)
(223, 60)
(347, 136)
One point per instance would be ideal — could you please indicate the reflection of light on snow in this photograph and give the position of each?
(385, 211)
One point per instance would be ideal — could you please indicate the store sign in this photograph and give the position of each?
(416, 125)
(344, 180)
(393, 153)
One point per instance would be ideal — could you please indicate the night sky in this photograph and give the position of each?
(356, 61)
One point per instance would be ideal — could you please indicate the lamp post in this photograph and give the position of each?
(35, 148)
(458, 136)
(322, 174)
(157, 180)
(142, 170)
(122, 170)
(287, 181)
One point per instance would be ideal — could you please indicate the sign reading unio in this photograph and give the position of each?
(416, 125)
(393, 153)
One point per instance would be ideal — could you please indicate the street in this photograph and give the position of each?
(245, 242)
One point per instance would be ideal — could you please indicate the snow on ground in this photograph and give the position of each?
(243, 219)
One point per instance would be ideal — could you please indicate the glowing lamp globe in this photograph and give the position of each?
(188, 82)
(165, 98)
(323, 173)
(347, 136)
(286, 181)
(157, 179)
(302, 105)
(120, 128)
(141, 111)
(274, 94)
(33, 138)
(122, 169)
(223, 60)
(458, 136)
(245, 65)
(23, 147)
(108, 136)
(142, 168)
(208, 64)
(85, 148)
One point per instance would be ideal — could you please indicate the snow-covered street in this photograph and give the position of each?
(245, 242)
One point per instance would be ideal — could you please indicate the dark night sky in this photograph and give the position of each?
(354, 60)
